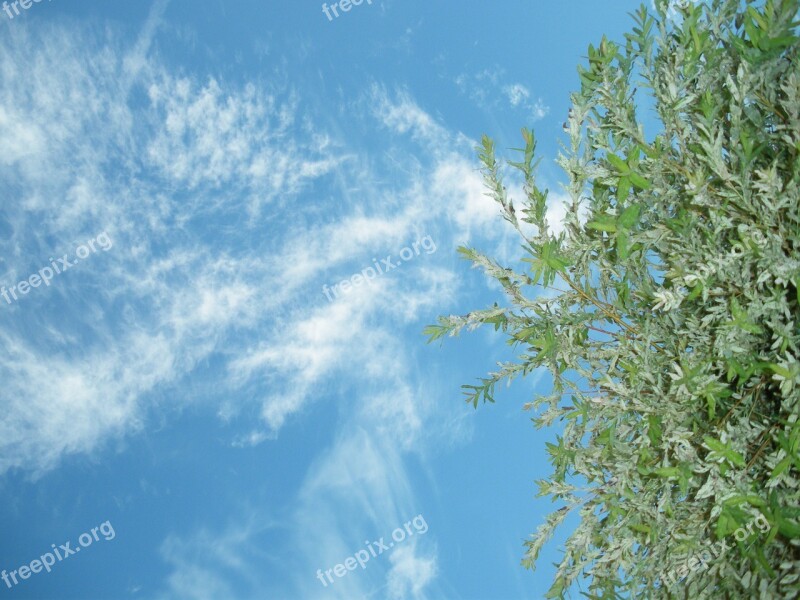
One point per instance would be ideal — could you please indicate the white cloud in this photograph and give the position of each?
(63, 406)
(358, 489)
(459, 183)
(241, 139)
(172, 291)
(517, 93)
(486, 89)
(674, 7)
(202, 273)
(208, 565)
(192, 274)
(195, 275)
(410, 574)
(402, 115)
(18, 140)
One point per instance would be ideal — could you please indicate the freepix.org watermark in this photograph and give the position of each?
(26, 4)
(362, 557)
(384, 266)
(343, 5)
(699, 560)
(48, 559)
(46, 274)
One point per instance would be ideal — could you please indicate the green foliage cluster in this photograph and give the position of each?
(666, 308)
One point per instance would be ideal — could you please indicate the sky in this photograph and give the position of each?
(192, 404)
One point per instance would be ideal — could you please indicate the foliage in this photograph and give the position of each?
(669, 321)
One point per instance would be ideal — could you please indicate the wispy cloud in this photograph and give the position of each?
(179, 289)
(519, 96)
(488, 90)
(181, 178)
(410, 574)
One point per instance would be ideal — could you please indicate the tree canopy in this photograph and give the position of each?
(665, 308)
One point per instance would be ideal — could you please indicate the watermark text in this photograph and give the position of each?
(362, 557)
(47, 560)
(46, 274)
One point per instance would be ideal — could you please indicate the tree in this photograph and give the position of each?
(671, 323)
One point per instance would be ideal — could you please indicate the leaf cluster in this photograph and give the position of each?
(665, 307)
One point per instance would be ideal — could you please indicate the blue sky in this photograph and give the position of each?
(186, 380)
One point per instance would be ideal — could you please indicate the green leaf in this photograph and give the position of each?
(782, 371)
(603, 223)
(629, 216)
(711, 406)
(623, 244)
(467, 253)
(758, 553)
(788, 528)
(724, 451)
(434, 332)
(667, 471)
(641, 528)
(620, 165)
(750, 499)
(654, 429)
(639, 181)
(725, 526)
(623, 189)
(781, 467)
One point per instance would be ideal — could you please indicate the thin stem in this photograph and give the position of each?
(761, 447)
